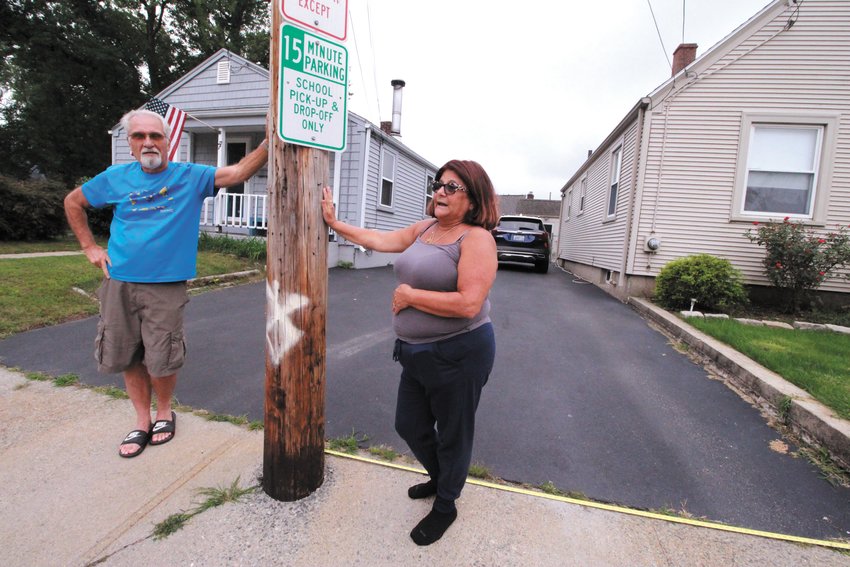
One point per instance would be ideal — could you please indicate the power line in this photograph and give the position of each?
(664, 49)
(374, 66)
(356, 49)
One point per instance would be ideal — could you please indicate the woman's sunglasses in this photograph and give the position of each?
(451, 187)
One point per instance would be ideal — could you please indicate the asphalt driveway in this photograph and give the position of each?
(584, 395)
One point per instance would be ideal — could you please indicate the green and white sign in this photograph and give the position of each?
(313, 90)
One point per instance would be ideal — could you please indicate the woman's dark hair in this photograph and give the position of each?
(479, 189)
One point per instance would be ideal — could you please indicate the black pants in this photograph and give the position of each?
(438, 394)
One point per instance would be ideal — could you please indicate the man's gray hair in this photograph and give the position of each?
(125, 120)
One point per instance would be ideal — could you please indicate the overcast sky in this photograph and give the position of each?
(524, 88)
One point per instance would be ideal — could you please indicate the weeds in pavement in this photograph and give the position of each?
(829, 469)
(38, 376)
(348, 444)
(213, 497)
(477, 470)
(112, 391)
(384, 452)
(784, 407)
(66, 380)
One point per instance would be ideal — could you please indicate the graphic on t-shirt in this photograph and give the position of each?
(152, 201)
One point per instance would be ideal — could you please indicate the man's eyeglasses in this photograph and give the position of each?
(140, 136)
(451, 187)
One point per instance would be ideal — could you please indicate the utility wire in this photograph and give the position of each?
(374, 66)
(664, 49)
(356, 50)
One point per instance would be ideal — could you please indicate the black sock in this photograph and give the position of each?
(423, 490)
(432, 527)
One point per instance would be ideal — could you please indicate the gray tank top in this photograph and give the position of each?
(432, 267)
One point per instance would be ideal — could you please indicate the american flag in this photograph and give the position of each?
(175, 118)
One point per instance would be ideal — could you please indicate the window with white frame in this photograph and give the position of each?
(387, 179)
(569, 203)
(782, 164)
(429, 191)
(581, 195)
(614, 188)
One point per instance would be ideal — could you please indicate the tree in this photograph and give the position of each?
(164, 55)
(71, 69)
(241, 26)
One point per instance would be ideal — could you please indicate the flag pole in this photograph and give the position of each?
(196, 119)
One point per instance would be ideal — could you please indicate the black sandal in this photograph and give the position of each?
(165, 426)
(135, 437)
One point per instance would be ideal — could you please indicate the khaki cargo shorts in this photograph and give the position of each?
(141, 323)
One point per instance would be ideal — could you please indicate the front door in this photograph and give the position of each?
(236, 150)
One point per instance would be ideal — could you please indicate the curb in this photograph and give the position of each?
(806, 416)
(219, 278)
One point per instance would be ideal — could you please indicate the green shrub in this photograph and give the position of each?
(253, 249)
(713, 283)
(32, 209)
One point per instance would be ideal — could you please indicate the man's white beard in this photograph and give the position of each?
(150, 160)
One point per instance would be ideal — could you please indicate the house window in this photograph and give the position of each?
(429, 192)
(569, 203)
(387, 179)
(782, 165)
(616, 162)
(581, 193)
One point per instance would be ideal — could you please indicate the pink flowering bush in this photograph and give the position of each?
(797, 259)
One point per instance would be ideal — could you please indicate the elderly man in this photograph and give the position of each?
(152, 251)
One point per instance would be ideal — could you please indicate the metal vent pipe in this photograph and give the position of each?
(397, 84)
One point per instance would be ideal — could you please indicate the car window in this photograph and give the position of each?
(518, 225)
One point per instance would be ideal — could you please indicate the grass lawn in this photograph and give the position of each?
(36, 292)
(816, 361)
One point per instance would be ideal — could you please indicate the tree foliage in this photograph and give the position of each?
(69, 70)
(241, 26)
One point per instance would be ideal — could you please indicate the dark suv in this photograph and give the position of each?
(523, 239)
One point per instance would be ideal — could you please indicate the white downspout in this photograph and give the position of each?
(637, 161)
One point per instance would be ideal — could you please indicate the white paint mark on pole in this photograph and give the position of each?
(281, 333)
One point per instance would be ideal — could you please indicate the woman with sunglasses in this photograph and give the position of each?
(445, 344)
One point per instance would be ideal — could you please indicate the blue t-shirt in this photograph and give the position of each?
(154, 232)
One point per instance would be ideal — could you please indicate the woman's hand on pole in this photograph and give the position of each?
(328, 211)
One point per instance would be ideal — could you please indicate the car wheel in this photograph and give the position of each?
(541, 266)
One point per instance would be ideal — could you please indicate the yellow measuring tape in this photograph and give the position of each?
(610, 507)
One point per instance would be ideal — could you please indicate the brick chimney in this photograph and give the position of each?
(530, 196)
(684, 56)
(387, 127)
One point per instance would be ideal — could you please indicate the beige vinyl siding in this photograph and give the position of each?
(800, 71)
(589, 238)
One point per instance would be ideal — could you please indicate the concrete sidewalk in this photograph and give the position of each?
(69, 499)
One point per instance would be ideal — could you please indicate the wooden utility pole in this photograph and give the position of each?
(296, 309)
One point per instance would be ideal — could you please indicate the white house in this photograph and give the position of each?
(754, 130)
